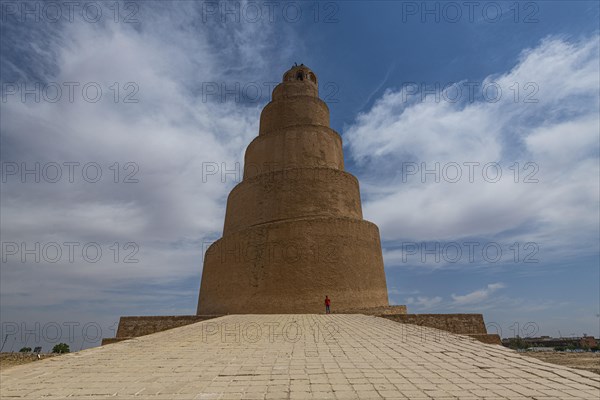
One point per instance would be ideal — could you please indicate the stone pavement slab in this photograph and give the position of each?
(304, 356)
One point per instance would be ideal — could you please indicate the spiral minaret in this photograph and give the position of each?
(293, 229)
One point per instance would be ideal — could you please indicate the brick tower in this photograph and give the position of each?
(294, 230)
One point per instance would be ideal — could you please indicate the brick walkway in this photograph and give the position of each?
(298, 357)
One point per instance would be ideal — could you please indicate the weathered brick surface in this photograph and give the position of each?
(145, 325)
(112, 340)
(290, 266)
(377, 311)
(294, 233)
(488, 338)
(314, 146)
(455, 323)
(326, 192)
(292, 111)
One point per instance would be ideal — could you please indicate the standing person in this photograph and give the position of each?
(327, 304)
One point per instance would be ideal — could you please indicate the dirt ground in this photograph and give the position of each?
(8, 360)
(587, 361)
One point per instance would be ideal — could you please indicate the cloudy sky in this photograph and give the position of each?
(473, 129)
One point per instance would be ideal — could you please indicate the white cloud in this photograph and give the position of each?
(493, 302)
(558, 134)
(395, 291)
(424, 302)
(168, 134)
(477, 296)
(481, 299)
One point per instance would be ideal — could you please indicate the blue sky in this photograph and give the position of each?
(376, 61)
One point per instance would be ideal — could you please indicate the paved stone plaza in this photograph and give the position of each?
(298, 357)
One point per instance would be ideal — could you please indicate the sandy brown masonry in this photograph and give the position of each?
(293, 229)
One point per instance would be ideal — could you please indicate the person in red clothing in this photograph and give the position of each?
(327, 304)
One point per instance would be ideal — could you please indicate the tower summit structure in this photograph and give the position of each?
(294, 230)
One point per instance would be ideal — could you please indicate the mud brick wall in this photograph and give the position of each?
(140, 326)
(294, 230)
(377, 311)
(455, 323)
(490, 338)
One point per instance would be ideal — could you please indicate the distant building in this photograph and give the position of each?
(588, 341)
(541, 349)
(550, 342)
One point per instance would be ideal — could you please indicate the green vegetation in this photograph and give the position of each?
(518, 344)
(61, 348)
(25, 350)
